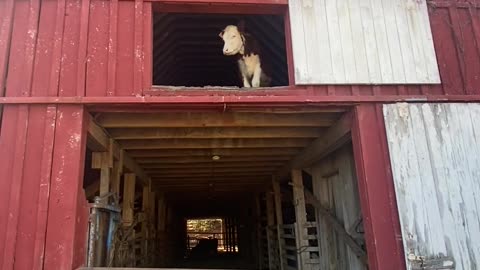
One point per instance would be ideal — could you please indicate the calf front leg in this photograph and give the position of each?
(246, 83)
(257, 74)
(243, 72)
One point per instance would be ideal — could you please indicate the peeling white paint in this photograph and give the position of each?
(435, 157)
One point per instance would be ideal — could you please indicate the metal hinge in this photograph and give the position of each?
(431, 263)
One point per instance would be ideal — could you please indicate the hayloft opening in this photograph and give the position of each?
(187, 49)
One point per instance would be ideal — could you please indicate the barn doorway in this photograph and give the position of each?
(224, 190)
(187, 49)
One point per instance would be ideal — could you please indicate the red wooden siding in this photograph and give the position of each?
(103, 48)
(42, 205)
(377, 193)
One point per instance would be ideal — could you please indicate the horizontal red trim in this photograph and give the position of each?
(246, 99)
(257, 2)
(220, 7)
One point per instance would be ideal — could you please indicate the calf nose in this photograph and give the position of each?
(225, 50)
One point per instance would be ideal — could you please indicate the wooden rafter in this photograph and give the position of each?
(208, 160)
(165, 120)
(99, 141)
(215, 133)
(208, 153)
(332, 139)
(212, 143)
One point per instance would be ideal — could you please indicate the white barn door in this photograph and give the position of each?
(362, 42)
(435, 157)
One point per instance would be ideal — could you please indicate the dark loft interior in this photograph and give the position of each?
(187, 50)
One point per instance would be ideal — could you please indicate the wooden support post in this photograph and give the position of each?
(258, 213)
(301, 218)
(279, 215)
(151, 226)
(270, 234)
(104, 162)
(145, 221)
(128, 198)
(117, 173)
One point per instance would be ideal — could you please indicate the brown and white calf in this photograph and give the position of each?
(245, 47)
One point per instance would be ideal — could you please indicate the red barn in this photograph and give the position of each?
(122, 122)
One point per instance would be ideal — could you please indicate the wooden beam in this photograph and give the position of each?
(279, 216)
(96, 139)
(217, 176)
(211, 152)
(117, 171)
(333, 138)
(146, 213)
(208, 160)
(102, 142)
(133, 167)
(214, 132)
(232, 179)
(271, 243)
(246, 164)
(204, 119)
(213, 189)
(338, 227)
(170, 182)
(301, 218)
(128, 198)
(103, 161)
(212, 143)
(208, 169)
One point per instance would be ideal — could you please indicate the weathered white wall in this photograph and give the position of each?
(362, 42)
(435, 156)
(335, 185)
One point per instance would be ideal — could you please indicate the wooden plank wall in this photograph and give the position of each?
(435, 156)
(78, 58)
(97, 50)
(362, 42)
(335, 185)
(42, 220)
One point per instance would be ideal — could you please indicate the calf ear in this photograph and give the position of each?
(241, 26)
(221, 34)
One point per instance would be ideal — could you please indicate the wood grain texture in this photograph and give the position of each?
(362, 42)
(335, 185)
(434, 150)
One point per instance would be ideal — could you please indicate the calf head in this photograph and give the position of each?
(234, 40)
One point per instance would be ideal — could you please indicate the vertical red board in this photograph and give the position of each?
(57, 47)
(38, 155)
(83, 47)
(12, 147)
(125, 48)
(24, 35)
(6, 23)
(70, 50)
(376, 189)
(44, 49)
(81, 230)
(112, 47)
(8, 134)
(147, 46)
(97, 55)
(471, 50)
(66, 186)
(138, 53)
